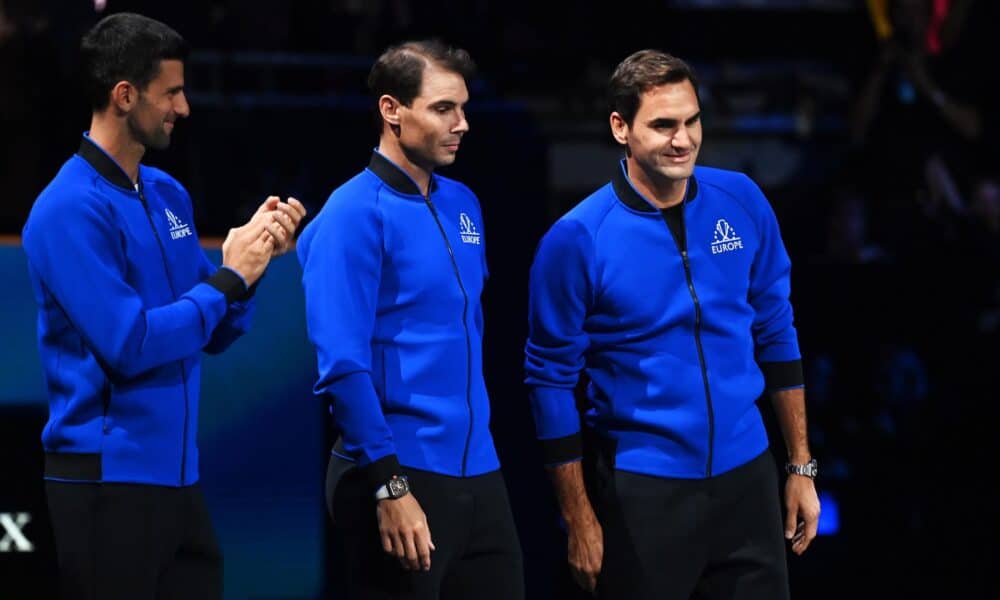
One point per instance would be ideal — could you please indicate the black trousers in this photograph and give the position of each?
(677, 539)
(478, 554)
(133, 542)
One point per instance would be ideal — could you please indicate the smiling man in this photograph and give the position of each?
(393, 269)
(127, 302)
(669, 288)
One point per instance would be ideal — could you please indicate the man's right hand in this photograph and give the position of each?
(586, 550)
(405, 534)
(248, 248)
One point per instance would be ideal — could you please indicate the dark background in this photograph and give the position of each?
(893, 228)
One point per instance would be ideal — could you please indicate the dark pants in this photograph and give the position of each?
(677, 539)
(133, 542)
(478, 554)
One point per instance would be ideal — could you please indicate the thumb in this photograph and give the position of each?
(791, 520)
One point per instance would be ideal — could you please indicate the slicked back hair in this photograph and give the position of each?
(399, 71)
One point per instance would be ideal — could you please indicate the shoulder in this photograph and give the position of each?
(348, 208)
(358, 195)
(732, 186)
(164, 185)
(73, 191)
(577, 228)
(592, 212)
(456, 189)
(732, 182)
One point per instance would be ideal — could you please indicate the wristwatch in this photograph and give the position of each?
(810, 469)
(397, 487)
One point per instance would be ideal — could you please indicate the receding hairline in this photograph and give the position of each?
(413, 49)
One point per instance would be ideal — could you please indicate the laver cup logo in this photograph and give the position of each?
(467, 229)
(725, 238)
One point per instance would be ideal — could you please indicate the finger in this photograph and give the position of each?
(398, 548)
(423, 543)
(811, 528)
(286, 220)
(298, 206)
(411, 550)
(268, 205)
(264, 237)
(289, 214)
(386, 542)
(591, 582)
(277, 232)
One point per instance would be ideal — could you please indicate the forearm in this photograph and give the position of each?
(790, 408)
(571, 493)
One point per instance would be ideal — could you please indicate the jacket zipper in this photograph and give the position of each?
(682, 244)
(465, 326)
(166, 271)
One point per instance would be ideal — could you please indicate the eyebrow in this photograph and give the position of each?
(663, 122)
(175, 89)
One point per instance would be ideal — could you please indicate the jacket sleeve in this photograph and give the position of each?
(341, 257)
(239, 313)
(775, 338)
(75, 249)
(561, 289)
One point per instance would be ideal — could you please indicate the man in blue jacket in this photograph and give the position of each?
(669, 288)
(393, 268)
(127, 302)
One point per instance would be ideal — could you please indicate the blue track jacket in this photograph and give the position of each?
(392, 284)
(127, 302)
(679, 318)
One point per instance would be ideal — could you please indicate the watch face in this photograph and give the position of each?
(397, 487)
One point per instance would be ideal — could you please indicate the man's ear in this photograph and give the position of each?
(619, 128)
(388, 107)
(124, 97)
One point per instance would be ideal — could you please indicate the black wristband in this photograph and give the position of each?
(382, 470)
(229, 283)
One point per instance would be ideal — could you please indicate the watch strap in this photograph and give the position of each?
(809, 469)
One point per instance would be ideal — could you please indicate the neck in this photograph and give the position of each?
(660, 191)
(389, 146)
(111, 134)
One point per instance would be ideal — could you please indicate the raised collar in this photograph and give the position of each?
(104, 164)
(634, 200)
(394, 176)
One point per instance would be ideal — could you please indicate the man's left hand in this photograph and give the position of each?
(801, 512)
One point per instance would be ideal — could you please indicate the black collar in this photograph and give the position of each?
(627, 194)
(104, 164)
(394, 176)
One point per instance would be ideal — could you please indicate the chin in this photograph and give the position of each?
(446, 160)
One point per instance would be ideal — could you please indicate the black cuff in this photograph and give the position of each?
(251, 290)
(783, 375)
(557, 451)
(229, 283)
(382, 470)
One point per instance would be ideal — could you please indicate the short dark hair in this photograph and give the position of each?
(399, 70)
(642, 71)
(125, 47)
